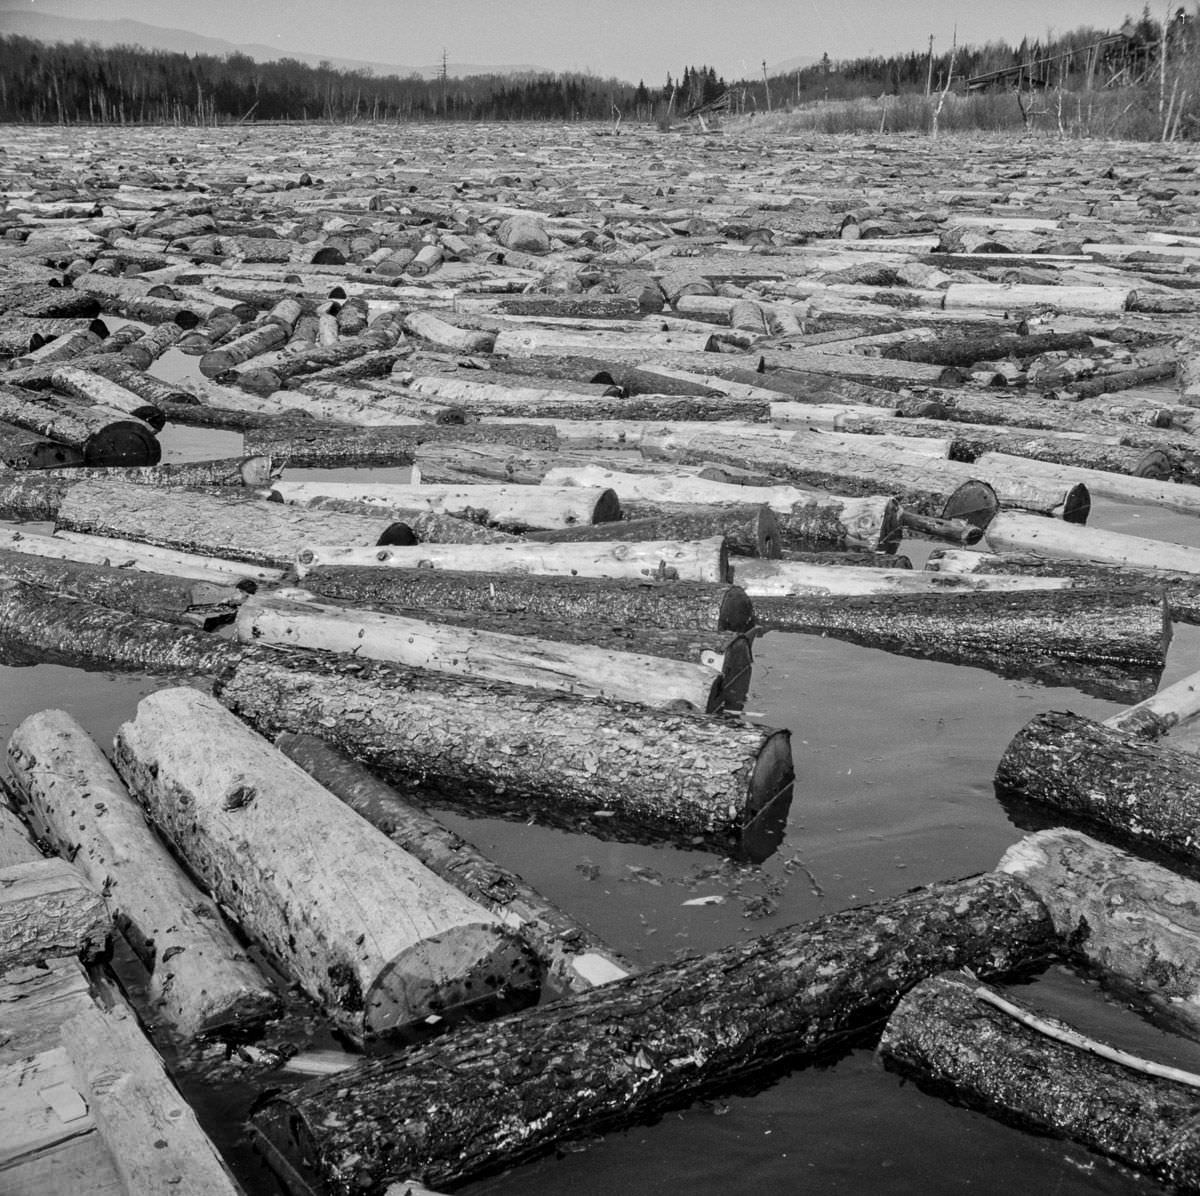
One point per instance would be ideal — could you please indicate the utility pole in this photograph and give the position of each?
(929, 75)
(443, 75)
(767, 85)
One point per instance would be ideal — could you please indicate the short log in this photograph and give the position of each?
(200, 979)
(630, 1050)
(377, 938)
(1135, 789)
(668, 774)
(21, 449)
(950, 1039)
(575, 960)
(48, 910)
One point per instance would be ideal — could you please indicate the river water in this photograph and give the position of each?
(894, 764)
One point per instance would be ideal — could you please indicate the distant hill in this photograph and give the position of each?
(43, 26)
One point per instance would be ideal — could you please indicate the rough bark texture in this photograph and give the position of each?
(581, 600)
(1107, 642)
(232, 525)
(947, 1038)
(200, 977)
(968, 350)
(328, 446)
(1135, 789)
(1134, 922)
(499, 1094)
(48, 910)
(520, 751)
(574, 959)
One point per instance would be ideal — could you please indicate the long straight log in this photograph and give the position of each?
(631, 1050)
(584, 670)
(944, 1034)
(1135, 789)
(1107, 642)
(581, 600)
(672, 775)
(1135, 923)
(201, 980)
(765, 578)
(204, 523)
(98, 390)
(966, 351)
(654, 560)
(367, 930)
(574, 958)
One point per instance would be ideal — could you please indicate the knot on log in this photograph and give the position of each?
(239, 798)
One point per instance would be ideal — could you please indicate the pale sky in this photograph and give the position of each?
(631, 39)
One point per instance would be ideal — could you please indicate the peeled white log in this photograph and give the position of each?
(1013, 532)
(513, 508)
(1129, 918)
(1161, 711)
(295, 619)
(375, 936)
(1175, 496)
(542, 342)
(1100, 301)
(681, 487)
(763, 578)
(350, 405)
(450, 390)
(200, 978)
(437, 331)
(660, 560)
(648, 434)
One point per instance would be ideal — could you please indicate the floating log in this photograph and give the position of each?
(200, 979)
(748, 530)
(85, 635)
(580, 600)
(966, 351)
(574, 958)
(232, 353)
(1135, 923)
(780, 578)
(949, 1034)
(510, 508)
(97, 390)
(372, 934)
(702, 781)
(297, 621)
(654, 560)
(631, 1050)
(204, 523)
(1135, 789)
(1110, 643)
(1016, 532)
(104, 436)
(1083, 300)
(1162, 711)
(329, 446)
(21, 449)
(155, 595)
(875, 371)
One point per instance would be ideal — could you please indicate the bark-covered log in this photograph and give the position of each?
(329, 446)
(520, 750)
(1110, 643)
(1159, 713)
(1135, 789)
(575, 960)
(97, 390)
(104, 436)
(748, 530)
(47, 911)
(211, 524)
(945, 1036)
(21, 449)
(886, 373)
(200, 979)
(968, 350)
(380, 940)
(654, 560)
(497, 1095)
(580, 600)
(417, 642)
(60, 630)
(1135, 923)
(266, 336)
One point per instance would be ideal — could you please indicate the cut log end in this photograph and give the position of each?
(973, 502)
(737, 611)
(1077, 505)
(608, 507)
(467, 972)
(769, 799)
(122, 443)
(399, 534)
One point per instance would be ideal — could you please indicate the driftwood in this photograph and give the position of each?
(364, 928)
(672, 775)
(950, 1039)
(201, 980)
(575, 960)
(632, 1049)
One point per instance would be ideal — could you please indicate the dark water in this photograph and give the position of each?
(894, 761)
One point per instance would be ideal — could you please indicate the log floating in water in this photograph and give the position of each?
(630, 1050)
(21, 449)
(677, 776)
(201, 980)
(1162, 711)
(1137, 790)
(801, 578)
(945, 1035)
(1134, 922)
(367, 930)
(575, 959)
(585, 670)
(1108, 642)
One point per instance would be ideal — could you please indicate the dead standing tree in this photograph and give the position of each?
(937, 111)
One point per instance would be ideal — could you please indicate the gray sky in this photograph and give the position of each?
(628, 38)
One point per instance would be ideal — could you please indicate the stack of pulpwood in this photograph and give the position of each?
(637, 437)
